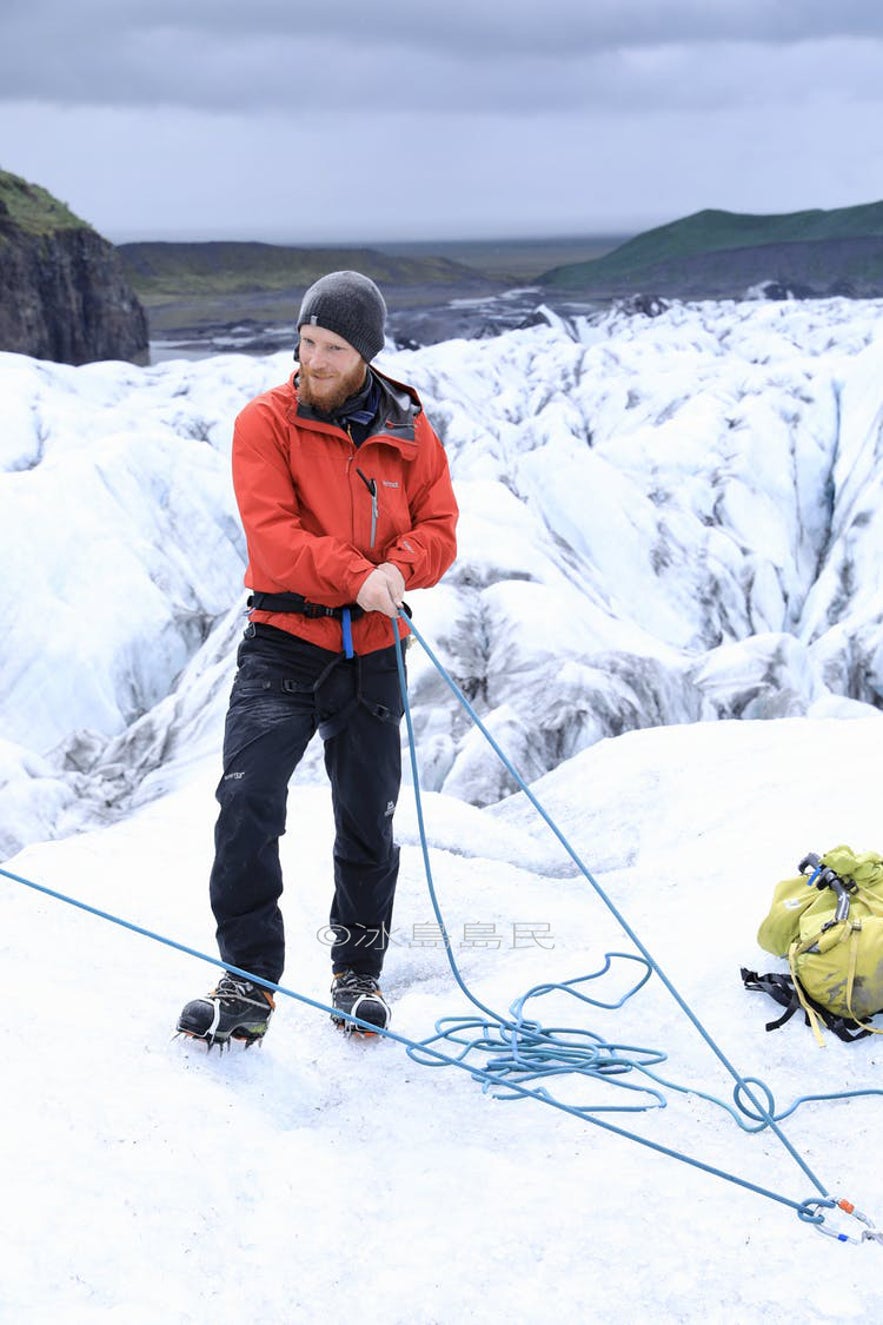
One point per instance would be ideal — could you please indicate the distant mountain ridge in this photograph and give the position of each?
(168, 268)
(720, 254)
(194, 288)
(63, 292)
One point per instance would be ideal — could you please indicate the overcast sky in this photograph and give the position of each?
(413, 119)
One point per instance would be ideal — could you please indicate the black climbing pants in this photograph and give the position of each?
(285, 690)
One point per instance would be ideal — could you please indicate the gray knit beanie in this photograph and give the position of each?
(351, 306)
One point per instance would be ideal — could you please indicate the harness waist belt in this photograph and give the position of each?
(295, 602)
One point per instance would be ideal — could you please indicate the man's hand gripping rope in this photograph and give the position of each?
(383, 590)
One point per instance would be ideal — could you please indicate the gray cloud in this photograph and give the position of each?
(466, 27)
(235, 118)
(520, 57)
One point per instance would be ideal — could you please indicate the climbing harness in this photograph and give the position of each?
(298, 605)
(518, 1056)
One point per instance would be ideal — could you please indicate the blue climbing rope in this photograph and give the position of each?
(517, 1049)
(518, 1056)
(427, 1053)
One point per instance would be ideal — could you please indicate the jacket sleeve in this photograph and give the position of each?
(425, 551)
(283, 552)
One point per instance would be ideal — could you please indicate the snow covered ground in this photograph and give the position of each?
(146, 1181)
(665, 520)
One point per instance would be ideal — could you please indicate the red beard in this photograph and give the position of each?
(328, 392)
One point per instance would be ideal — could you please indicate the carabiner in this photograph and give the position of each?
(868, 1234)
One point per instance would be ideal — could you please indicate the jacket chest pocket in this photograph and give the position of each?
(381, 507)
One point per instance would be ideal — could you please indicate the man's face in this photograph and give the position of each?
(330, 369)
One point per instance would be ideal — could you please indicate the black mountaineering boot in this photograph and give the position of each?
(235, 1010)
(360, 996)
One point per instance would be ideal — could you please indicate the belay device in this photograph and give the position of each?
(829, 926)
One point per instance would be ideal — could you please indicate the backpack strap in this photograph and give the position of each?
(855, 931)
(788, 993)
(810, 1007)
(779, 987)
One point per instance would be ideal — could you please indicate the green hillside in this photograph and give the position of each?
(33, 210)
(678, 246)
(160, 271)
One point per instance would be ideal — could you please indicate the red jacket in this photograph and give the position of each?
(312, 525)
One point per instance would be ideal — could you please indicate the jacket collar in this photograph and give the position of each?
(396, 411)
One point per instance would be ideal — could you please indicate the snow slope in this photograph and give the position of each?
(146, 1181)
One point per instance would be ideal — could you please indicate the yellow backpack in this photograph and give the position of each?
(828, 923)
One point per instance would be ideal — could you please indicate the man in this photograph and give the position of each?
(346, 500)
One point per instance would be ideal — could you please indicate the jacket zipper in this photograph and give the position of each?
(371, 485)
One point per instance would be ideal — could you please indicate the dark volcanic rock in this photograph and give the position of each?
(63, 293)
(647, 305)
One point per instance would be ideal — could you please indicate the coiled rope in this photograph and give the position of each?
(516, 1052)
